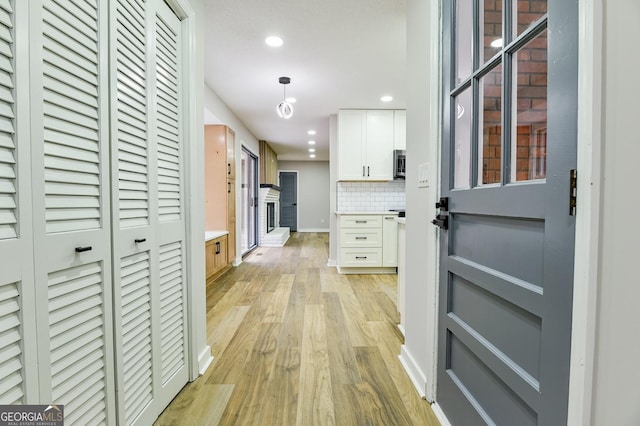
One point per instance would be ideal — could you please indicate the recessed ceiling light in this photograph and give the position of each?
(312, 150)
(311, 132)
(291, 100)
(386, 98)
(312, 156)
(273, 41)
(497, 43)
(312, 142)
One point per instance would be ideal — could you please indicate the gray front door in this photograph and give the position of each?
(506, 265)
(289, 200)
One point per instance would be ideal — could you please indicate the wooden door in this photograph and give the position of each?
(509, 147)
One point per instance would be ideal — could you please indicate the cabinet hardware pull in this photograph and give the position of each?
(361, 238)
(361, 221)
(140, 240)
(389, 218)
(229, 167)
(83, 249)
(367, 171)
(362, 171)
(217, 247)
(229, 187)
(361, 257)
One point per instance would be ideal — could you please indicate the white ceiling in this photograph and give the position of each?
(338, 53)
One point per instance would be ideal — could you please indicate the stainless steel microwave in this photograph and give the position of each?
(399, 164)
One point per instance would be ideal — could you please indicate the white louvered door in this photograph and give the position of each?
(168, 133)
(148, 217)
(17, 310)
(71, 207)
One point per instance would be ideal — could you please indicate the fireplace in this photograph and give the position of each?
(271, 216)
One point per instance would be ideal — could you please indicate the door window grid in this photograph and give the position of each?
(525, 22)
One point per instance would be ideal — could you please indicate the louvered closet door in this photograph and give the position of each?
(148, 225)
(134, 245)
(17, 308)
(71, 207)
(168, 133)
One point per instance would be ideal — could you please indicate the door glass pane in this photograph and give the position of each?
(529, 158)
(528, 12)
(463, 39)
(492, 29)
(490, 127)
(462, 141)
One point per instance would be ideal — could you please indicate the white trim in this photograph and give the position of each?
(444, 421)
(204, 360)
(313, 230)
(586, 266)
(195, 198)
(433, 250)
(413, 370)
(332, 263)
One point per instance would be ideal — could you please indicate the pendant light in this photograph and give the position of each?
(284, 108)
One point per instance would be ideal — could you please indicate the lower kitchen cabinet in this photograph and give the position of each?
(367, 241)
(216, 256)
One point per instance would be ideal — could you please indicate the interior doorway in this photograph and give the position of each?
(249, 200)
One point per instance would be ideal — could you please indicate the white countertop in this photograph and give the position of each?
(387, 213)
(212, 235)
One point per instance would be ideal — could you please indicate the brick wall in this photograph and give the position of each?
(530, 75)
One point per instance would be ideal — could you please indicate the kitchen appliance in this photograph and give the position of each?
(399, 163)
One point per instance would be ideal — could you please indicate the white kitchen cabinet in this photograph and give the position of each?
(365, 145)
(367, 241)
(389, 241)
(400, 129)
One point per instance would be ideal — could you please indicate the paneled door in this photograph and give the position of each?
(148, 214)
(289, 200)
(507, 223)
(71, 207)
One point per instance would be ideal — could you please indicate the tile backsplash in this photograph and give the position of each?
(370, 196)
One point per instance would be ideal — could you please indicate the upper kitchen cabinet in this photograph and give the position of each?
(400, 129)
(365, 145)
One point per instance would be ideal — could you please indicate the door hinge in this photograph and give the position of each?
(573, 191)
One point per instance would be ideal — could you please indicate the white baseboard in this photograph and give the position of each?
(401, 328)
(332, 263)
(414, 372)
(440, 414)
(237, 261)
(313, 230)
(371, 271)
(204, 360)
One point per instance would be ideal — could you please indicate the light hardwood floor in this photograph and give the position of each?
(295, 343)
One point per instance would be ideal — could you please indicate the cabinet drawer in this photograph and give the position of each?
(363, 221)
(360, 257)
(365, 237)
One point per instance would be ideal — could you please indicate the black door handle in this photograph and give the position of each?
(139, 240)
(443, 204)
(294, 204)
(441, 221)
(83, 249)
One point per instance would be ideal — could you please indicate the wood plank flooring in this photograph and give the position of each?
(295, 343)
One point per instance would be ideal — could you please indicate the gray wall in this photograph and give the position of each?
(616, 389)
(313, 194)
